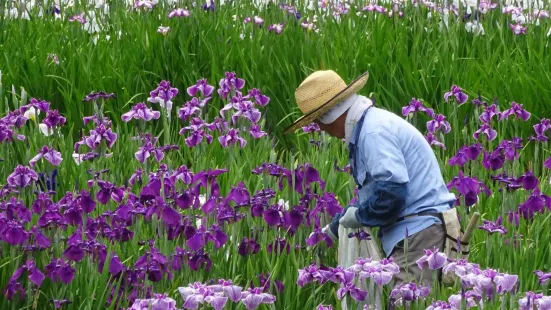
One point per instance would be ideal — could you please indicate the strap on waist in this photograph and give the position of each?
(426, 213)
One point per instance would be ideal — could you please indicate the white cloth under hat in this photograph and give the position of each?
(338, 110)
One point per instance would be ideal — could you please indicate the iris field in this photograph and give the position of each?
(142, 161)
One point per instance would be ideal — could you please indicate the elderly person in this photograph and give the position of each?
(401, 188)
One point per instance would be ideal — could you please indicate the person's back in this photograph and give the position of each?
(416, 165)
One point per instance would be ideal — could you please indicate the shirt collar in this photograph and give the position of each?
(354, 115)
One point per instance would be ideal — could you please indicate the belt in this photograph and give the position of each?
(426, 213)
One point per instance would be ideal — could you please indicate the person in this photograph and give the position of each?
(401, 188)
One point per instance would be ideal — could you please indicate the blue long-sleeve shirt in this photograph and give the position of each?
(397, 174)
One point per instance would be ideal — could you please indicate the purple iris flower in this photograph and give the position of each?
(341, 275)
(510, 148)
(16, 118)
(198, 260)
(305, 175)
(183, 174)
(22, 176)
(465, 154)
(253, 297)
(231, 137)
(381, 272)
(529, 300)
(96, 120)
(328, 203)
(107, 191)
(511, 182)
(239, 194)
(198, 293)
(141, 111)
(248, 247)
(536, 203)
(438, 123)
(97, 135)
(493, 161)
(324, 307)
(409, 292)
(529, 181)
(155, 264)
(516, 110)
(163, 95)
(310, 128)
(39, 104)
(543, 277)
(16, 209)
(458, 93)
(179, 13)
(416, 106)
(493, 227)
(354, 292)
(13, 232)
(158, 302)
(468, 187)
(432, 140)
(208, 178)
(489, 113)
(517, 29)
(312, 274)
(264, 281)
(34, 274)
(95, 96)
(78, 18)
(149, 148)
(6, 134)
(259, 98)
(230, 83)
(541, 130)
(202, 236)
(192, 107)
(197, 133)
(318, 236)
(432, 259)
(201, 86)
(278, 246)
(490, 281)
(486, 130)
(60, 270)
(208, 6)
(41, 241)
(58, 303)
(219, 124)
(49, 154)
(258, 21)
(245, 108)
(479, 102)
(440, 305)
(256, 132)
(148, 4)
(276, 28)
(53, 119)
(547, 163)
(360, 235)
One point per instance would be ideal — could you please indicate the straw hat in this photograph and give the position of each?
(321, 91)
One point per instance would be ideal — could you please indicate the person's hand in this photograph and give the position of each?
(328, 231)
(349, 220)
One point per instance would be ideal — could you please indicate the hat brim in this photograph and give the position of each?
(351, 89)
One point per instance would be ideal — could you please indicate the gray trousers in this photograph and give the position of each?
(433, 236)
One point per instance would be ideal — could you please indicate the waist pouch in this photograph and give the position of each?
(454, 248)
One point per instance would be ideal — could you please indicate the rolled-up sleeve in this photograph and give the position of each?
(382, 156)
